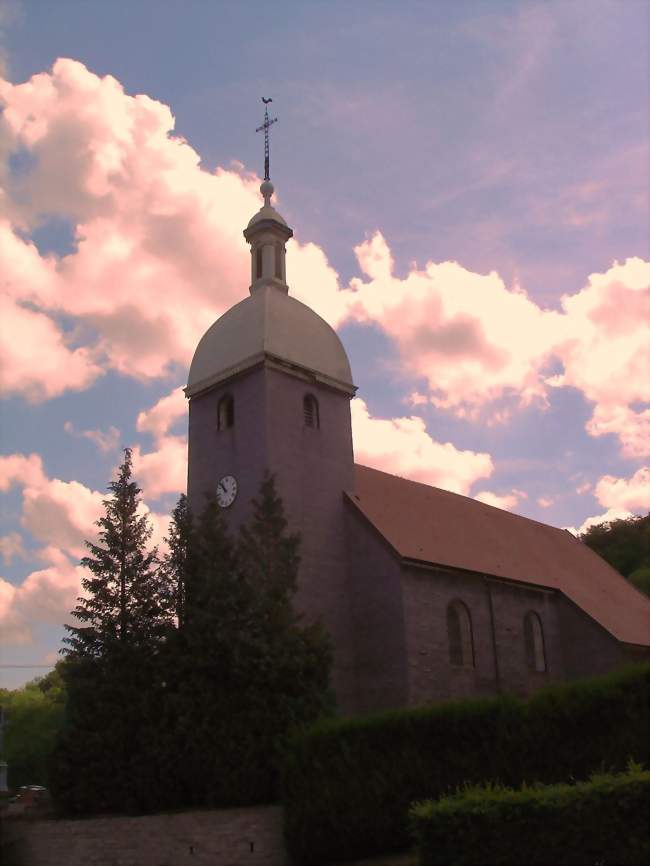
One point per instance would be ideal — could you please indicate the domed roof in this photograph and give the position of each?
(269, 324)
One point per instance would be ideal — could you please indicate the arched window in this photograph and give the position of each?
(258, 263)
(310, 411)
(534, 640)
(459, 632)
(278, 260)
(225, 413)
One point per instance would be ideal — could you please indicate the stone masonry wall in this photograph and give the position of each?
(231, 837)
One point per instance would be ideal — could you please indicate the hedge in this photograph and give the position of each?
(603, 821)
(348, 784)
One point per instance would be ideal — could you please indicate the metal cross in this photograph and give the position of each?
(265, 127)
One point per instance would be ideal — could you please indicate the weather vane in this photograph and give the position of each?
(265, 127)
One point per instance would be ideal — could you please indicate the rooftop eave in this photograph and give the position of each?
(275, 362)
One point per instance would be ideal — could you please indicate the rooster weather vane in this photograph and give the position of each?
(265, 126)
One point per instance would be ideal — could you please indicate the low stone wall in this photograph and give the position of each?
(231, 837)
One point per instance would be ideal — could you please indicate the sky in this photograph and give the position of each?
(468, 187)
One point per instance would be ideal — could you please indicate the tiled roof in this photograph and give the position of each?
(435, 526)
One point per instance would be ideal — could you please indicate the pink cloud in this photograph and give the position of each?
(630, 494)
(104, 440)
(164, 469)
(159, 251)
(507, 501)
(159, 419)
(607, 517)
(159, 255)
(607, 352)
(469, 336)
(45, 596)
(60, 515)
(12, 546)
(403, 446)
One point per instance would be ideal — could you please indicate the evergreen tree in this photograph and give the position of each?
(290, 661)
(106, 759)
(176, 563)
(126, 598)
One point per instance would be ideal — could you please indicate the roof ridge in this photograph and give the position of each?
(470, 498)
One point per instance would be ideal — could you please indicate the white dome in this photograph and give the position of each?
(272, 324)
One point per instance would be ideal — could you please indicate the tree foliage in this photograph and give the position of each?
(34, 716)
(625, 544)
(125, 599)
(186, 680)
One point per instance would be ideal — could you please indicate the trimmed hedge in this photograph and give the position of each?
(349, 784)
(603, 821)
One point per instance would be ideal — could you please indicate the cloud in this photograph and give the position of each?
(158, 252)
(606, 353)
(163, 470)
(15, 631)
(507, 501)
(104, 440)
(469, 337)
(403, 447)
(12, 545)
(45, 596)
(58, 514)
(630, 494)
(159, 419)
(608, 517)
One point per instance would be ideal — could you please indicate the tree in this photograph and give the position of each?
(104, 758)
(34, 717)
(176, 563)
(625, 544)
(126, 597)
(246, 671)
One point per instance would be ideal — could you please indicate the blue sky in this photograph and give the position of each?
(510, 138)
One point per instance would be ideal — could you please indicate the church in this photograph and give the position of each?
(426, 594)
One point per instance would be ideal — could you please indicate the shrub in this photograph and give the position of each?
(349, 784)
(602, 821)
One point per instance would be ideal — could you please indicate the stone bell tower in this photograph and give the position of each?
(269, 389)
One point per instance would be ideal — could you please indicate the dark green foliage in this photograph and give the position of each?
(176, 563)
(245, 671)
(105, 755)
(124, 598)
(625, 544)
(602, 821)
(640, 578)
(197, 715)
(349, 784)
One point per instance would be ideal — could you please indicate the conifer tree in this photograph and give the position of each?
(126, 595)
(105, 758)
(176, 564)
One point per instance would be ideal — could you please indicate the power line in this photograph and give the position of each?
(27, 666)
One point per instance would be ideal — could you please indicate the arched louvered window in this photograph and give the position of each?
(534, 641)
(459, 632)
(258, 263)
(278, 260)
(226, 413)
(310, 411)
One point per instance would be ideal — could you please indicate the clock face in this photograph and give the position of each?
(226, 491)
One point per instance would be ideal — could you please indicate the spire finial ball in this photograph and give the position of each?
(267, 189)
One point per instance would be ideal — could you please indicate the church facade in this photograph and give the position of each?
(426, 594)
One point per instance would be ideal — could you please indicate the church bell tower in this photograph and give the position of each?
(269, 388)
